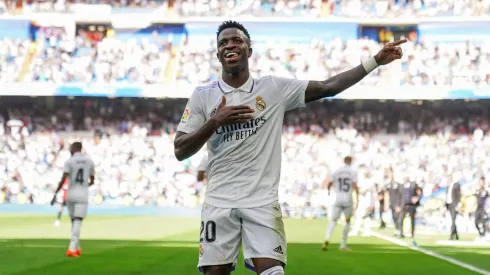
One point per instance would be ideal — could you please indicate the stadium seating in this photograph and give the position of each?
(136, 165)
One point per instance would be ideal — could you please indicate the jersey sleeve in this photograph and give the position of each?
(292, 91)
(67, 167)
(193, 117)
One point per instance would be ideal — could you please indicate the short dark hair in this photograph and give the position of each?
(232, 25)
(348, 159)
(77, 146)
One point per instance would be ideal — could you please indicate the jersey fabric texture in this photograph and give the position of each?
(79, 169)
(244, 159)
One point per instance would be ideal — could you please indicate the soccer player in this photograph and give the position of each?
(62, 204)
(241, 120)
(344, 181)
(365, 211)
(79, 170)
(481, 216)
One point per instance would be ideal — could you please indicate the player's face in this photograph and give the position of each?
(233, 51)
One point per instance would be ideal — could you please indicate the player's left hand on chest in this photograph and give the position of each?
(390, 52)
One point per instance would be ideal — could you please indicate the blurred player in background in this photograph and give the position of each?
(344, 181)
(481, 216)
(453, 202)
(241, 119)
(368, 196)
(381, 200)
(79, 170)
(410, 200)
(201, 169)
(201, 173)
(394, 192)
(62, 204)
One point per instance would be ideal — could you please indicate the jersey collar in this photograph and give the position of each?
(247, 87)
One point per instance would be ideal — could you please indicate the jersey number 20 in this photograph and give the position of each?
(79, 177)
(344, 184)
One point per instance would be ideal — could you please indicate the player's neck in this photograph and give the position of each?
(236, 80)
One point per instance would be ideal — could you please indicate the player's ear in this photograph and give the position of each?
(250, 50)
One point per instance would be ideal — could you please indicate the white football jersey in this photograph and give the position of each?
(244, 159)
(79, 167)
(343, 180)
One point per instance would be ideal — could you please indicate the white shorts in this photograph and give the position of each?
(260, 230)
(337, 209)
(77, 209)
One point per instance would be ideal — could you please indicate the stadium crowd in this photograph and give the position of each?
(133, 149)
(465, 64)
(63, 60)
(345, 8)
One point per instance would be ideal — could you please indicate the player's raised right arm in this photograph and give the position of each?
(187, 144)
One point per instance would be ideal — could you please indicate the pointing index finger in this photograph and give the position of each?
(399, 42)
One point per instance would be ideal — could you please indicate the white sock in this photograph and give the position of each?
(75, 235)
(330, 229)
(345, 234)
(276, 270)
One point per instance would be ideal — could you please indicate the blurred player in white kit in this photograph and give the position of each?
(201, 173)
(343, 181)
(79, 169)
(365, 211)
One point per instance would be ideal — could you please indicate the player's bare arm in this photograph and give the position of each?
(60, 185)
(187, 144)
(355, 187)
(331, 87)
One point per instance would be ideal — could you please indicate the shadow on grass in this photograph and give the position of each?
(46, 256)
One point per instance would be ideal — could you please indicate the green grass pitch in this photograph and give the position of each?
(165, 245)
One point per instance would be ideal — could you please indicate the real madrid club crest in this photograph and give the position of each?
(260, 103)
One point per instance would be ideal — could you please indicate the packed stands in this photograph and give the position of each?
(145, 61)
(427, 141)
(344, 8)
(12, 55)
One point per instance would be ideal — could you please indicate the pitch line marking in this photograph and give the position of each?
(431, 253)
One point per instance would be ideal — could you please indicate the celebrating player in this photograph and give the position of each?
(79, 170)
(241, 119)
(344, 181)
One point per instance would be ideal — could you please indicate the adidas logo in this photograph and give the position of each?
(278, 250)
